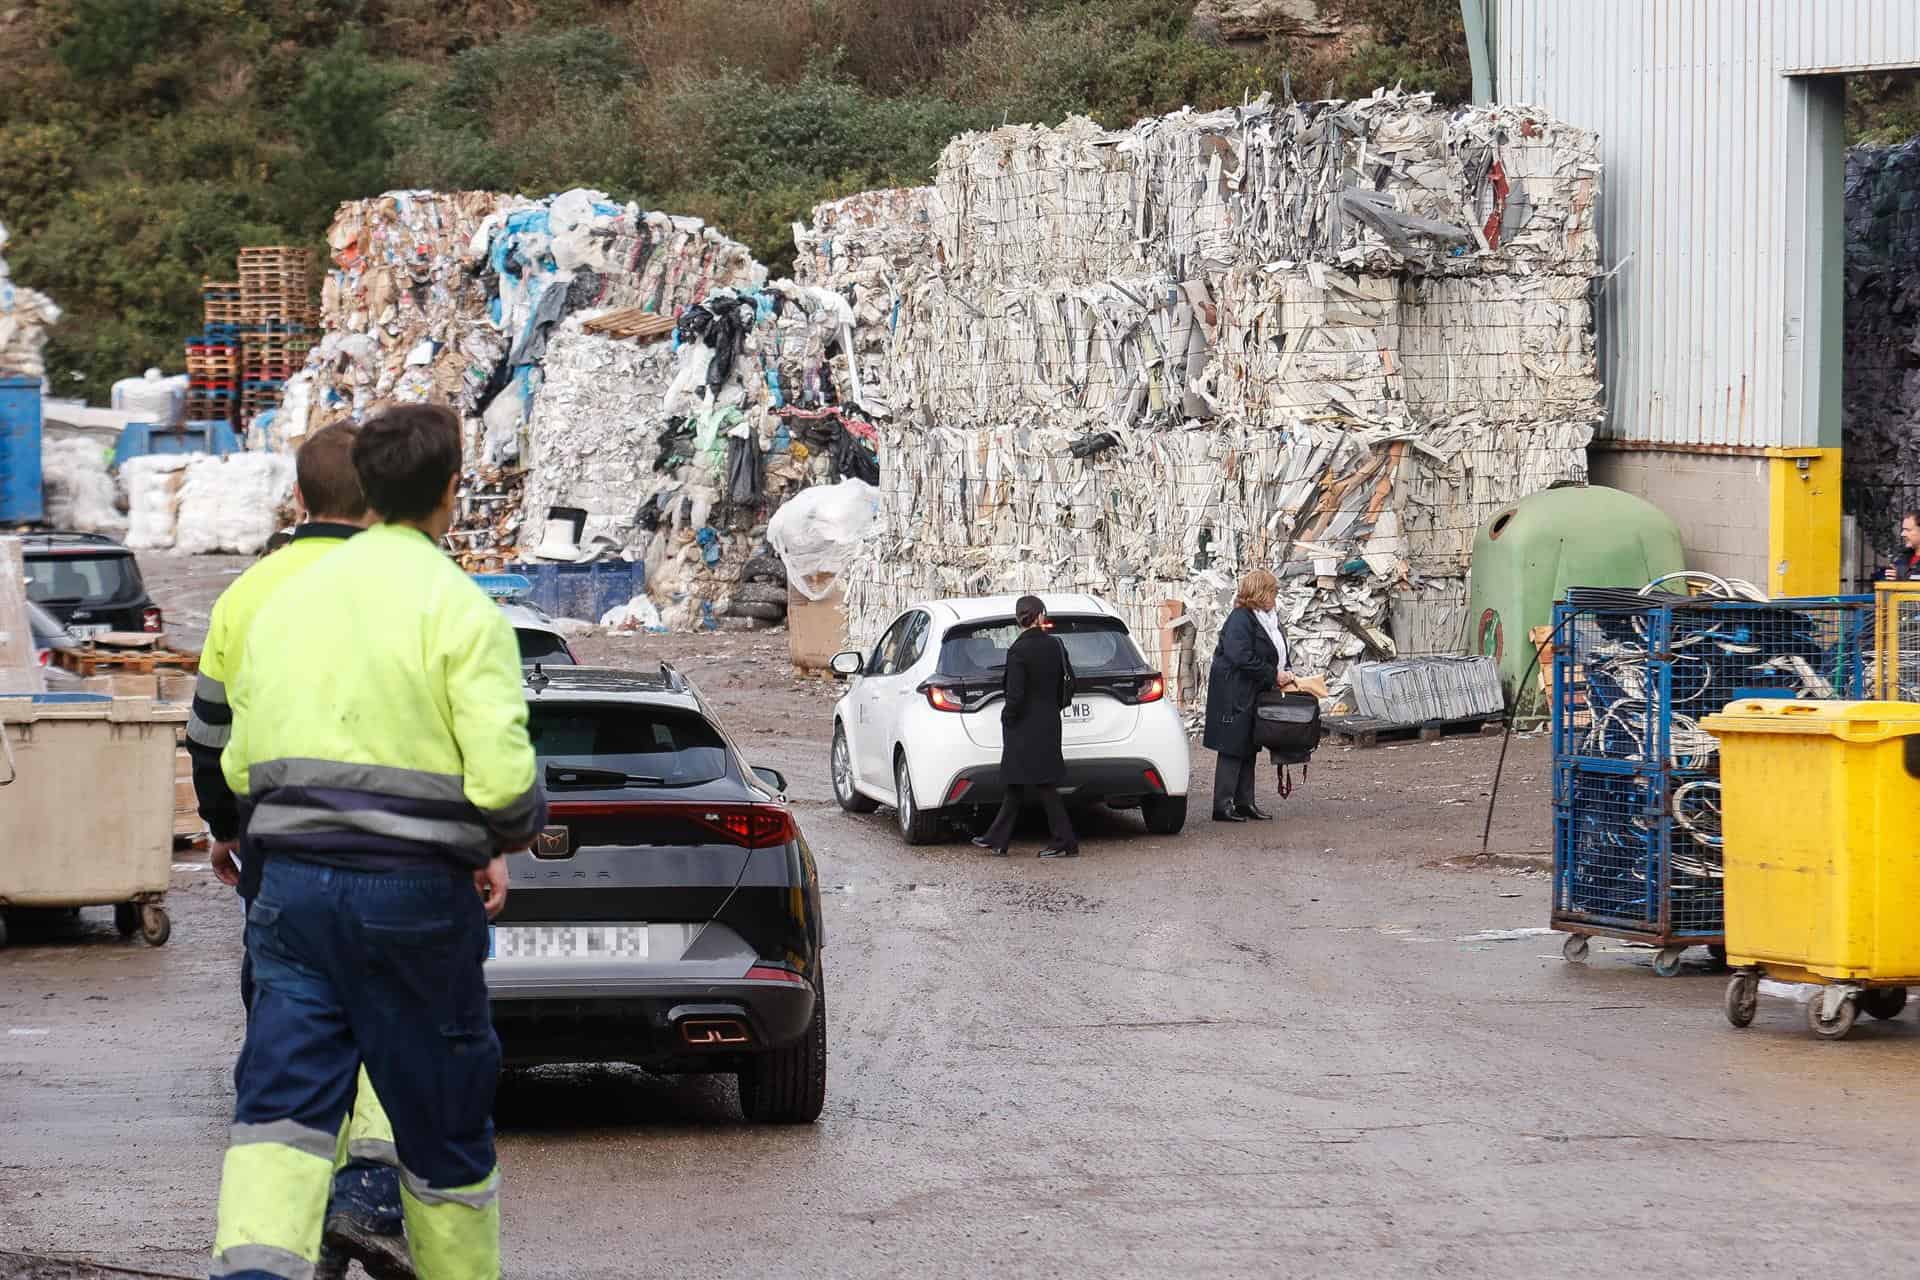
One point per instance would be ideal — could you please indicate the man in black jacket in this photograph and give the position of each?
(1032, 764)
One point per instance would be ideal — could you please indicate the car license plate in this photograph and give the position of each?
(85, 629)
(567, 942)
(1076, 712)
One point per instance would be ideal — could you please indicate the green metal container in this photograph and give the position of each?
(1532, 551)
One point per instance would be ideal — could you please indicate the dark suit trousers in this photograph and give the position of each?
(1233, 782)
(1018, 795)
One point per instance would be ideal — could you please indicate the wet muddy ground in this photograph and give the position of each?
(1328, 1046)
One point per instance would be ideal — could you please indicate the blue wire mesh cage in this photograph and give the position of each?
(1636, 779)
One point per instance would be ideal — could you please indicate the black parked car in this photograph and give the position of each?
(88, 582)
(669, 916)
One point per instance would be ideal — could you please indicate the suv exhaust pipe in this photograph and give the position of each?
(714, 1033)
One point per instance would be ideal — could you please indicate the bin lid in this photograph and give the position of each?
(27, 710)
(1853, 721)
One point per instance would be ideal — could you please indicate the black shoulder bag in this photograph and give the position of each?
(1287, 725)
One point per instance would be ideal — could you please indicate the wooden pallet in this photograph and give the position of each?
(1365, 731)
(633, 322)
(87, 661)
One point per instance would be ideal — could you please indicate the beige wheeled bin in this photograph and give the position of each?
(87, 819)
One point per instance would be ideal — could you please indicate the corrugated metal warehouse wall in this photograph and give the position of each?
(1714, 153)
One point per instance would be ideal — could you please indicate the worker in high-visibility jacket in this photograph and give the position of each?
(381, 757)
(364, 1220)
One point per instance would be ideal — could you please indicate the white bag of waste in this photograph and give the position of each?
(153, 500)
(79, 490)
(152, 397)
(637, 614)
(817, 529)
(232, 504)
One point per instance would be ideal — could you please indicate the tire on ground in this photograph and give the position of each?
(789, 1084)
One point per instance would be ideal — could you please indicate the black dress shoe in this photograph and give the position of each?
(1227, 815)
(1254, 812)
(981, 842)
(1059, 851)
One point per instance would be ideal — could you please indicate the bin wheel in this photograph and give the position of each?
(1718, 950)
(1666, 961)
(1575, 948)
(1743, 999)
(126, 918)
(1842, 1022)
(155, 925)
(1884, 1003)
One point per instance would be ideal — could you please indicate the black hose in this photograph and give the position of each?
(1493, 796)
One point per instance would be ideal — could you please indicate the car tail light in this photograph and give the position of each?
(751, 826)
(45, 657)
(941, 698)
(1138, 690)
(959, 790)
(774, 973)
(1152, 777)
(150, 620)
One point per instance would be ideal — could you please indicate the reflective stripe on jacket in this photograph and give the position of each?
(211, 722)
(379, 710)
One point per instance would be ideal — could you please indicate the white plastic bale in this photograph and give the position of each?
(593, 437)
(1380, 184)
(231, 504)
(79, 490)
(153, 500)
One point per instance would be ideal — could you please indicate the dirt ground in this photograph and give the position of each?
(1333, 1045)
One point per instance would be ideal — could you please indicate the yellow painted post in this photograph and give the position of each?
(1803, 522)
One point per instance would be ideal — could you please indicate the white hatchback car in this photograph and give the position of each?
(919, 726)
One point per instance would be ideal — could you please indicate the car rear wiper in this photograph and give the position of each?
(566, 775)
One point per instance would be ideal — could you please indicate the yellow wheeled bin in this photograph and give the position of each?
(1820, 813)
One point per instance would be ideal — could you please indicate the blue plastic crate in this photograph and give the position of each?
(1636, 780)
(584, 591)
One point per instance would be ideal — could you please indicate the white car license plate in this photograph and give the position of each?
(85, 629)
(567, 942)
(1076, 712)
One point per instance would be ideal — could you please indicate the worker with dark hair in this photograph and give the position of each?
(363, 1218)
(1039, 684)
(1906, 566)
(381, 757)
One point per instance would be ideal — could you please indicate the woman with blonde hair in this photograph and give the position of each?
(1250, 659)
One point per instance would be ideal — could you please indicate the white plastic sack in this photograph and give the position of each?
(232, 504)
(153, 500)
(79, 491)
(151, 397)
(637, 614)
(817, 530)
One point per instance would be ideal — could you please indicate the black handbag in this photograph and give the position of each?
(1288, 726)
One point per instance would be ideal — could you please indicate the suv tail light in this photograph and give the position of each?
(751, 826)
(45, 657)
(150, 619)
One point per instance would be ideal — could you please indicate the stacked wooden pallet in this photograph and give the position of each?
(279, 323)
(213, 355)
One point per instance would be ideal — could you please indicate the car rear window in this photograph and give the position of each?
(542, 646)
(70, 579)
(1095, 646)
(678, 747)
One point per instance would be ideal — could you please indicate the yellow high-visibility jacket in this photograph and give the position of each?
(211, 723)
(379, 712)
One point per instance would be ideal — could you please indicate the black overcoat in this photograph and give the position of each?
(1030, 718)
(1245, 665)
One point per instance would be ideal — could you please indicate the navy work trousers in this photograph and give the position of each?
(382, 968)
